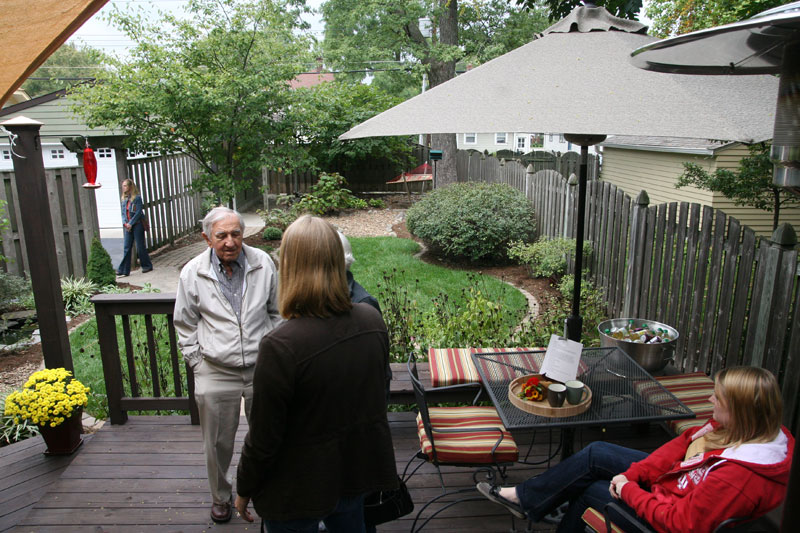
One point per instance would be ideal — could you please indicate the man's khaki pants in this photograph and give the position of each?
(218, 392)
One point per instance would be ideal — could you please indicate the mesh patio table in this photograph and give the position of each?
(622, 391)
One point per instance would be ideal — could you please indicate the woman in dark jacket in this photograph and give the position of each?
(132, 209)
(319, 438)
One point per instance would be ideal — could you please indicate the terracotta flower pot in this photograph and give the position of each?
(65, 438)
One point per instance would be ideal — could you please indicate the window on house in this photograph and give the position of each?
(57, 153)
(561, 138)
(6, 154)
(500, 138)
(521, 144)
(470, 138)
(551, 137)
(103, 152)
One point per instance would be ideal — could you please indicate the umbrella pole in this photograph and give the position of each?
(573, 325)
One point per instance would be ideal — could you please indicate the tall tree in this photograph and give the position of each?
(68, 66)
(214, 85)
(390, 36)
(751, 185)
(675, 17)
(332, 109)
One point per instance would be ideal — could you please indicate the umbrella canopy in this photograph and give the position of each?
(577, 78)
(31, 31)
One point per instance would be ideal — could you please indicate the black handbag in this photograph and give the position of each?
(384, 506)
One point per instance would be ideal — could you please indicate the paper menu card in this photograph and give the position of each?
(561, 359)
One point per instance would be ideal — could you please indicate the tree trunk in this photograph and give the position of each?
(441, 71)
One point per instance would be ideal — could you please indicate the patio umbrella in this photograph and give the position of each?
(576, 79)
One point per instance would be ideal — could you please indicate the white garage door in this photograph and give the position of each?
(107, 196)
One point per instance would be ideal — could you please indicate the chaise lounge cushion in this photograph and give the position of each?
(469, 446)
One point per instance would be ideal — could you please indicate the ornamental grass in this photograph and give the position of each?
(49, 397)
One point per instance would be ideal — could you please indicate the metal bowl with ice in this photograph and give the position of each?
(649, 343)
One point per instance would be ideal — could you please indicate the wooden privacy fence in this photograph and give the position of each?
(733, 297)
(367, 176)
(74, 215)
(172, 207)
(475, 166)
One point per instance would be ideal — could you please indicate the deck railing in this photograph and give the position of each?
(157, 361)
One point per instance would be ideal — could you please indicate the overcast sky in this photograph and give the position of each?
(97, 33)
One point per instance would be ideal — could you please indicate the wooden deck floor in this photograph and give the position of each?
(149, 476)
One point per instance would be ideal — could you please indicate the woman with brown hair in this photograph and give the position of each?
(319, 437)
(132, 209)
(737, 465)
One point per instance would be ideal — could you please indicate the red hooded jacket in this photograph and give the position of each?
(676, 495)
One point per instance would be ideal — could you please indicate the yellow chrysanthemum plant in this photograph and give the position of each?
(49, 397)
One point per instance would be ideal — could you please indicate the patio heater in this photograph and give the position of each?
(768, 43)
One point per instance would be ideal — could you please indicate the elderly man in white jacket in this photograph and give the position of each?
(226, 302)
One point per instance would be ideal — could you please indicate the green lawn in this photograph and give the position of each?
(377, 255)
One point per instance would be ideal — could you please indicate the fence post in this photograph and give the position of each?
(569, 207)
(635, 261)
(528, 180)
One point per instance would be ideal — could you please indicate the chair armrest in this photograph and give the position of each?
(632, 519)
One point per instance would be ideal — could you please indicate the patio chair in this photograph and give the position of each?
(599, 522)
(470, 436)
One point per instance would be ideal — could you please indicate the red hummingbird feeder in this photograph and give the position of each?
(90, 168)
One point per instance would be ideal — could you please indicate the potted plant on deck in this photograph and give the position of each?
(54, 400)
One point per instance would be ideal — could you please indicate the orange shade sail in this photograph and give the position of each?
(31, 31)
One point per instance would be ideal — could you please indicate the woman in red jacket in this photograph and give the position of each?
(737, 465)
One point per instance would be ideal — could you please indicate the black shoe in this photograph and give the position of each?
(148, 270)
(492, 492)
(120, 274)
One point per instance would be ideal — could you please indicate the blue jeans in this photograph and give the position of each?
(137, 234)
(348, 517)
(582, 480)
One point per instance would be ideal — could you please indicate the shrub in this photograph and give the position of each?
(473, 221)
(547, 258)
(76, 294)
(329, 195)
(99, 269)
(271, 233)
(278, 218)
(14, 291)
(377, 203)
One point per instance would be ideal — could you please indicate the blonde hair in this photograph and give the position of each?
(312, 278)
(133, 191)
(754, 403)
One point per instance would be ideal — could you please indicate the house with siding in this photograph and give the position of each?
(518, 142)
(653, 164)
(53, 111)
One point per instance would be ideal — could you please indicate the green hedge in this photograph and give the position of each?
(472, 221)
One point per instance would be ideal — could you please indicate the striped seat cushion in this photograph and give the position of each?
(595, 520)
(454, 366)
(693, 390)
(470, 447)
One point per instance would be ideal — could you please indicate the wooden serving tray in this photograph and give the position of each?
(544, 408)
